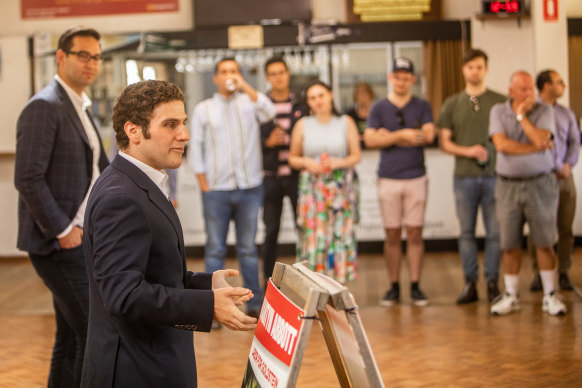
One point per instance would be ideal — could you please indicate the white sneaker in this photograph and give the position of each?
(505, 304)
(552, 305)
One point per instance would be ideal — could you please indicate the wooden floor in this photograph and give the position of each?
(442, 345)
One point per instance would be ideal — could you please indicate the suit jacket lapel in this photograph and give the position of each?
(72, 112)
(154, 194)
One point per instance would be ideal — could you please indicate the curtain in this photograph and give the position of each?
(443, 60)
(575, 81)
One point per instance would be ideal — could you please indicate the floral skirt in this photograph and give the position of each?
(326, 212)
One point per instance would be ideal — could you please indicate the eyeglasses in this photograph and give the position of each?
(400, 117)
(85, 57)
(475, 102)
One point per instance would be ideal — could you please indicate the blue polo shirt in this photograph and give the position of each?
(400, 162)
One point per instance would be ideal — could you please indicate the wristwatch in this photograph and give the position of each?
(519, 117)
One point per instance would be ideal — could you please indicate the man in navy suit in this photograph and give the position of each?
(144, 302)
(58, 157)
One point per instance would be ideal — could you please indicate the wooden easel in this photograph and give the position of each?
(332, 304)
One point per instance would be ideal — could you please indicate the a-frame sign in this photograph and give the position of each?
(295, 298)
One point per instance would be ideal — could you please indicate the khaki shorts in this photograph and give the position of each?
(402, 201)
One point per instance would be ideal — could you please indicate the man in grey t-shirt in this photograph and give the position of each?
(526, 190)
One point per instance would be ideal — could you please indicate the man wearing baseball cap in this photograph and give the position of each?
(400, 126)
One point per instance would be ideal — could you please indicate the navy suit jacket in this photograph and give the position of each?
(53, 168)
(140, 289)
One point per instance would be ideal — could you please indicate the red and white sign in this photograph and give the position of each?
(550, 10)
(36, 9)
(275, 341)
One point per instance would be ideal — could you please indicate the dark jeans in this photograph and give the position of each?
(275, 191)
(65, 274)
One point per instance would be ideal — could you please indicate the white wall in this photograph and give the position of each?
(573, 8)
(14, 92)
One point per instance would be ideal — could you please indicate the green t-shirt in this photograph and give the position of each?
(470, 126)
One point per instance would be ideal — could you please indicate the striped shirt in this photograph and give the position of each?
(567, 137)
(283, 120)
(226, 142)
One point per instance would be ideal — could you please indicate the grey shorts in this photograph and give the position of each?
(534, 201)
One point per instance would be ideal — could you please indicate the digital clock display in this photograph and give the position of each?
(502, 7)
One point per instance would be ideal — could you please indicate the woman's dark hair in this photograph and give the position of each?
(334, 111)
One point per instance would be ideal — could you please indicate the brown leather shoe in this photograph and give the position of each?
(469, 293)
(564, 282)
(492, 290)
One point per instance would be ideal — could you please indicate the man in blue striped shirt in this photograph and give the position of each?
(226, 158)
(551, 86)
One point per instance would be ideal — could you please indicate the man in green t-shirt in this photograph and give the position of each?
(464, 124)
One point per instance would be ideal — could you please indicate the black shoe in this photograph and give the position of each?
(564, 282)
(492, 290)
(392, 296)
(418, 298)
(469, 293)
(536, 284)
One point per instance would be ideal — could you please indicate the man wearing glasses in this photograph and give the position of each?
(59, 155)
(566, 149)
(401, 125)
(464, 132)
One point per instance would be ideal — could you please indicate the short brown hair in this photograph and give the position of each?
(226, 59)
(366, 87)
(137, 103)
(66, 39)
(474, 53)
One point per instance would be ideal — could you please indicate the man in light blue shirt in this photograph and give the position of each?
(566, 149)
(226, 158)
(522, 130)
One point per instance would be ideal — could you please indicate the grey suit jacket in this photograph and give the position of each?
(53, 168)
(140, 289)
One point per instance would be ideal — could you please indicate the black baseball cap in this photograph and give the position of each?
(403, 64)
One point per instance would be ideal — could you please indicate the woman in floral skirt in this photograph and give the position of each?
(325, 147)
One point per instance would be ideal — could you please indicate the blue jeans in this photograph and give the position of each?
(470, 193)
(65, 274)
(242, 206)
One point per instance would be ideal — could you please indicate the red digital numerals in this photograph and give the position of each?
(504, 6)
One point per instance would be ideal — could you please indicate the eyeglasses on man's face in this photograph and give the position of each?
(85, 57)
(475, 102)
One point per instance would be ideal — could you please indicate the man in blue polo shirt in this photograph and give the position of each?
(401, 125)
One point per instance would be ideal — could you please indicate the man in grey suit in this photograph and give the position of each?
(144, 302)
(58, 157)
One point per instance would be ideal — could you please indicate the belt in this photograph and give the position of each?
(521, 179)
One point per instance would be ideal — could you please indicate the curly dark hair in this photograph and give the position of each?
(136, 105)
